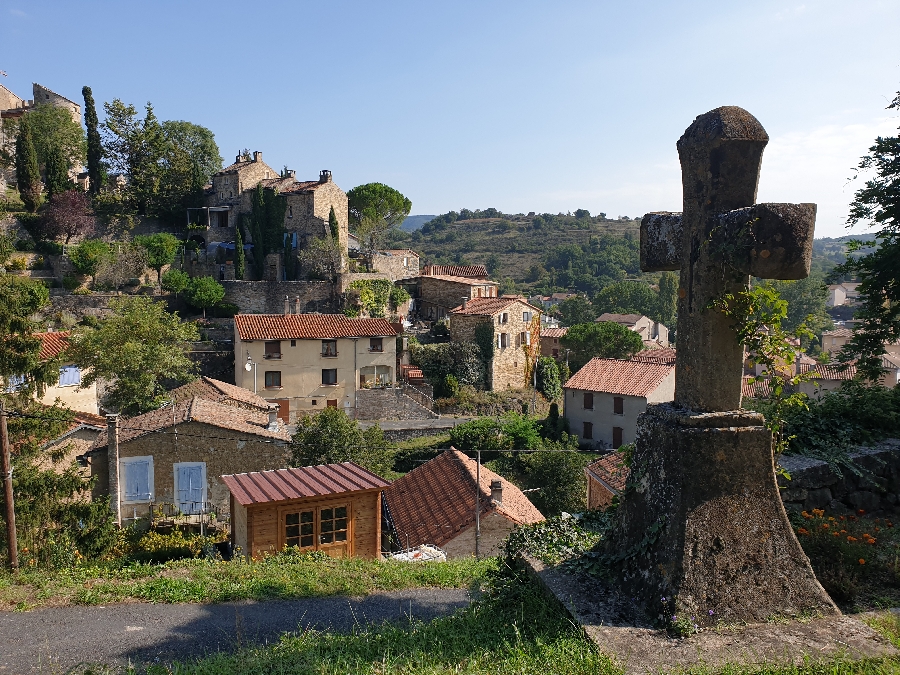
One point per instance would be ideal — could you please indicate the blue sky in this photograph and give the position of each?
(523, 106)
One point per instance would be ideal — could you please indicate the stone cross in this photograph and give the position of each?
(717, 242)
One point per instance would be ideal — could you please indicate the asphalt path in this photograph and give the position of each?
(55, 639)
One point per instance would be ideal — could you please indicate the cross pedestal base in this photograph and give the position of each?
(704, 526)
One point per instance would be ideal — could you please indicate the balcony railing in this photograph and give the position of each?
(272, 356)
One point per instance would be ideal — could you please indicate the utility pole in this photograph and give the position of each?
(6, 469)
(478, 505)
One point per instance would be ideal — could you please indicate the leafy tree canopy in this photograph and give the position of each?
(198, 142)
(20, 299)
(87, 256)
(161, 249)
(331, 436)
(376, 208)
(604, 339)
(67, 215)
(204, 292)
(627, 297)
(575, 310)
(137, 348)
(54, 129)
(175, 281)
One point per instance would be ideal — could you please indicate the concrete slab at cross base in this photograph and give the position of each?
(704, 526)
(640, 649)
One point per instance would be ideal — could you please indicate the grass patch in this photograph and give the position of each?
(278, 577)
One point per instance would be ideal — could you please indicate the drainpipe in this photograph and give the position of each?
(355, 376)
(112, 452)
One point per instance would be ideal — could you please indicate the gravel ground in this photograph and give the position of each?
(55, 639)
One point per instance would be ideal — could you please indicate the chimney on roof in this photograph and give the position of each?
(497, 491)
(296, 304)
(273, 417)
(239, 158)
(257, 156)
(287, 305)
(465, 301)
(290, 173)
(324, 176)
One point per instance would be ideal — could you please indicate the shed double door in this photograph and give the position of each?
(325, 528)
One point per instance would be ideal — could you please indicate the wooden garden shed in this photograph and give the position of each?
(333, 508)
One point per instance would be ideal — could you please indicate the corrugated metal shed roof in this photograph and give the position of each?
(265, 487)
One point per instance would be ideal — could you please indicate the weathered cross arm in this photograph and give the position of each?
(770, 241)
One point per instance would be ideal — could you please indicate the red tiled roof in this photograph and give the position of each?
(759, 387)
(434, 502)
(221, 392)
(554, 332)
(627, 378)
(624, 319)
(246, 422)
(52, 344)
(665, 356)
(610, 469)
(490, 306)
(830, 372)
(838, 332)
(473, 271)
(266, 487)
(308, 327)
(468, 281)
(302, 186)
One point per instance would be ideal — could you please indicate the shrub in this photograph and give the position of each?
(82, 291)
(49, 248)
(17, 264)
(224, 310)
(24, 245)
(159, 548)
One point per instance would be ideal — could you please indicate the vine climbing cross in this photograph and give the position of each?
(717, 242)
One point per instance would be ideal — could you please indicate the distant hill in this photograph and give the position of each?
(413, 223)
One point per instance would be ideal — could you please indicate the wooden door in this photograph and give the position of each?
(284, 408)
(334, 530)
(617, 437)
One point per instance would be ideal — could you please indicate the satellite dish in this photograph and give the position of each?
(247, 366)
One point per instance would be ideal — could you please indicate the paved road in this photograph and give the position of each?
(55, 639)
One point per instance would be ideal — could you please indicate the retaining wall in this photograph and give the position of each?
(267, 297)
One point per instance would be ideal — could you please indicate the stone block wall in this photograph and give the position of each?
(267, 297)
(389, 404)
(814, 485)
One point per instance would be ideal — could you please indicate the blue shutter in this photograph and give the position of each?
(13, 382)
(69, 376)
(190, 488)
(137, 481)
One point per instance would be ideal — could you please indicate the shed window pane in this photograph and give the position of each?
(298, 529)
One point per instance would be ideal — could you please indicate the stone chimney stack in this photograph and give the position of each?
(291, 173)
(497, 491)
(238, 159)
(287, 305)
(273, 418)
(324, 176)
(257, 156)
(112, 451)
(296, 304)
(465, 302)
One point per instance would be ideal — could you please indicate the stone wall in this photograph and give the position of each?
(267, 297)
(814, 485)
(389, 404)
(95, 304)
(396, 264)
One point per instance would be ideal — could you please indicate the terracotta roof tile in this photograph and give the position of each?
(829, 371)
(838, 332)
(53, 344)
(245, 422)
(627, 378)
(490, 306)
(554, 332)
(266, 487)
(308, 327)
(624, 319)
(610, 469)
(665, 356)
(469, 281)
(435, 501)
(473, 271)
(221, 392)
(755, 387)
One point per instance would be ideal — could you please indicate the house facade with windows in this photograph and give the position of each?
(512, 320)
(550, 345)
(176, 454)
(437, 294)
(602, 401)
(306, 362)
(653, 333)
(331, 508)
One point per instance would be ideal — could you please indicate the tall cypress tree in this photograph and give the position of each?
(96, 172)
(333, 224)
(240, 262)
(57, 173)
(28, 175)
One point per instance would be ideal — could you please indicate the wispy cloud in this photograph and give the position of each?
(790, 12)
(18, 12)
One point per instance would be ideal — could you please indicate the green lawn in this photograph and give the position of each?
(283, 576)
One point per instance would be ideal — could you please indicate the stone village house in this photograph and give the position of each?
(305, 362)
(653, 333)
(602, 401)
(175, 455)
(605, 479)
(511, 317)
(435, 504)
(435, 295)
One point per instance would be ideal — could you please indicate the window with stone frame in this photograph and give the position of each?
(588, 400)
(329, 348)
(273, 379)
(329, 376)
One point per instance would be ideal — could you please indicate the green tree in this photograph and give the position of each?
(604, 339)
(575, 310)
(331, 437)
(198, 142)
(806, 300)
(667, 299)
(557, 478)
(28, 174)
(240, 257)
(175, 281)
(376, 208)
(95, 167)
(139, 346)
(161, 250)
(333, 225)
(266, 224)
(21, 298)
(53, 129)
(877, 203)
(492, 264)
(57, 171)
(548, 378)
(203, 292)
(87, 256)
(627, 297)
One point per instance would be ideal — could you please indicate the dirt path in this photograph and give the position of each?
(55, 639)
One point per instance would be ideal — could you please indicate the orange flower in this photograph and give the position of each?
(843, 517)
(835, 534)
(862, 512)
(862, 561)
(843, 531)
(830, 517)
(825, 525)
(851, 538)
(819, 512)
(871, 541)
(806, 515)
(802, 530)
(890, 524)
